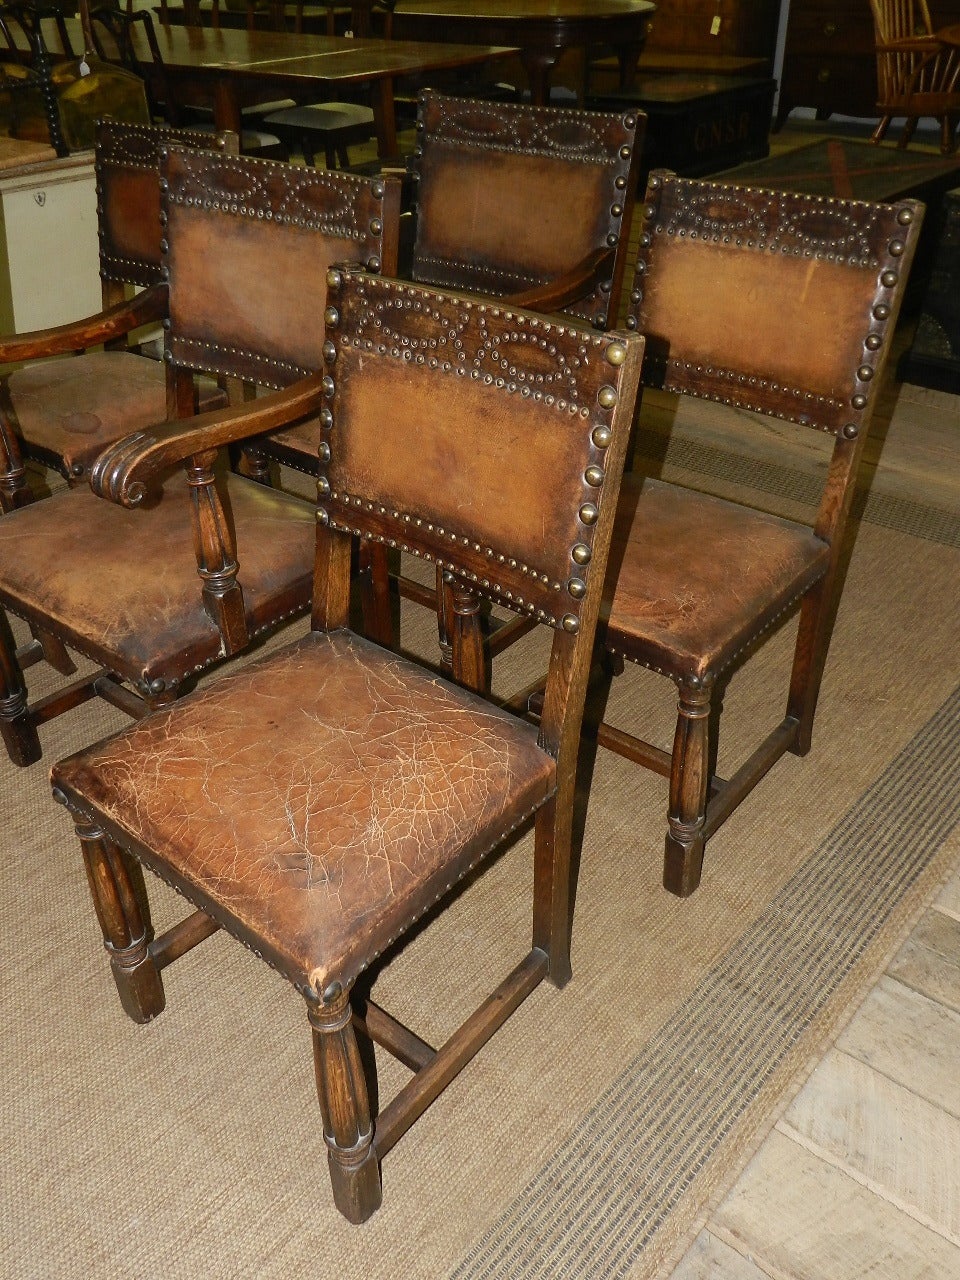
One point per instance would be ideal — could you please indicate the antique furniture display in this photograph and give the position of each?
(780, 304)
(918, 71)
(316, 803)
(543, 29)
(494, 184)
(214, 560)
(62, 413)
(28, 93)
(232, 68)
(830, 60)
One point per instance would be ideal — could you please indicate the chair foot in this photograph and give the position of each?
(138, 980)
(682, 864)
(20, 736)
(345, 1107)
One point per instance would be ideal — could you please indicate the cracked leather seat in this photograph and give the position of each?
(775, 303)
(316, 803)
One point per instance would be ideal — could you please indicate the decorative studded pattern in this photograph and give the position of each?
(497, 184)
(743, 279)
(502, 380)
(127, 169)
(284, 227)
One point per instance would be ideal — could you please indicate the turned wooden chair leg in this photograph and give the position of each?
(345, 1106)
(17, 727)
(125, 934)
(375, 596)
(880, 132)
(689, 786)
(552, 894)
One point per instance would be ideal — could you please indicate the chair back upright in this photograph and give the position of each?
(511, 196)
(248, 243)
(505, 384)
(736, 288)
(127, 168)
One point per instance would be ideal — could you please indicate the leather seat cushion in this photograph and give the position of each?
(122, 586)
(316, 801)
(699, 577)
(71, 409)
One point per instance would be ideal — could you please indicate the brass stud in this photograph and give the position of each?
(607, 397)
(881, 311)
(616, 353)
(601, 436)
(905, 217)
(577, 588)
(329, 351)
(323, 487)
(864, 373)
(334, 278)
(331, 317)
(376, 226)
(851, 431)
(888, 278)
(326, 418)
(859, 401)
(328, 386)
(588, 513)
(581, 553)
(594, 476)
(324, 451)
(873, 342)
(570, 623)
(896, 248)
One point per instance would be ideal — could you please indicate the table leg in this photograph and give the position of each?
(226, 107)
(628, 55)
(538, 65)
(385, 118)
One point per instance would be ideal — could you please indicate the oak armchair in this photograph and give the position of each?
(918, 73)
(214, 560)
(317, 802)
(778, 304)
(61, 412)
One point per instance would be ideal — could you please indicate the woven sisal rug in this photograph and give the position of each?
(591, 1135)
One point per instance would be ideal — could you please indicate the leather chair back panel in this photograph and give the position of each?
(226, 313)
(466, 495)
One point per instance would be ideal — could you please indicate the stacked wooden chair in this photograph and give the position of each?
(214, 560)
(773, 303)
(317, 802)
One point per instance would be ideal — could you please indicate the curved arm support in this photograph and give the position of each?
(571, 287)
(145, 308)
(124, 471)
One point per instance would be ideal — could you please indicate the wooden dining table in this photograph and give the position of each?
(543, 30)
(228, 69)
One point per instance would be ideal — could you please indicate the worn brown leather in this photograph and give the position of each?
(64, 412)
(699, 577)
(122, 586)
(511, 196)
(318, 800)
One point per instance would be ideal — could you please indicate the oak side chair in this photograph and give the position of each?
(918, 73)
(512, 201)
(215, 559)
(318, 801)
(779, 304)
(63, 412)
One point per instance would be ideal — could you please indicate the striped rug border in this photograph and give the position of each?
(608, 1191)
(903, 515)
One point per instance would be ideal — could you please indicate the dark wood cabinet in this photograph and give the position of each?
(744, 28)
(828, 57)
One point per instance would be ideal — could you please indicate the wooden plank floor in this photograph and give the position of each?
(861, 1175)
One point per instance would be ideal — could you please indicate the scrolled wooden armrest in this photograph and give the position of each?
(124, 471)
(148, 306)
(569, 288)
